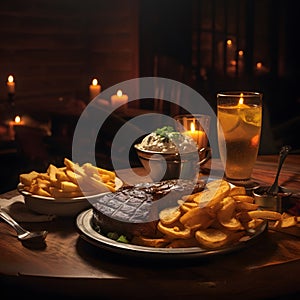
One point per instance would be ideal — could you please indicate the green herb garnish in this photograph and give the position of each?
(116, 237)
(168, 133)
(113, 235)
(122, 239)
(164, 131)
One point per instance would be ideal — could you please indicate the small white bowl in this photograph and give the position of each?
(65, 207)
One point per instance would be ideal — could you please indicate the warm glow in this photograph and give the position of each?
(233, 62)
(229, 42)
(241, 101)
(259, 65)
(94, 82)
(192, 127)
(241, 53)
(10, 78)
(119, 93)
(17, 119)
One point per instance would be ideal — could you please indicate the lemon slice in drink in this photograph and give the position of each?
(252, 115)
(228, 121)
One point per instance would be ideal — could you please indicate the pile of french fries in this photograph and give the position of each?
(218, 216)
(69, 181)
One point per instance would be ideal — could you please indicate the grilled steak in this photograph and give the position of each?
(134, 210)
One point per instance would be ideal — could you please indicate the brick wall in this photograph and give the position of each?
(54, 48)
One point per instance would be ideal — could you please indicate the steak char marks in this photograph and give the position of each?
(134, 210)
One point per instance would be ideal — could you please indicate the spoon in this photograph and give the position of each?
(282, 156)
(28, 237)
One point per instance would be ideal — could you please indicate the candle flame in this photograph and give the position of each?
(241, 101)
(119, 93)
(259, 65)
(229, 42)
(10, 78)
(17, 119)
(94, 82)
(192, 127)
(241, 53)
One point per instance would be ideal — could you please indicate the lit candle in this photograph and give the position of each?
(197, 135)
(16, 122)
(10, 85)
(119, 99)
(241, 100)
(95, 89)
(17, 119)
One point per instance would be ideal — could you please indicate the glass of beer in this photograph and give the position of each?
(239, 128)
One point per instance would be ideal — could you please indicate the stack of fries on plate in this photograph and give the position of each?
(69, 181)
(218, 216)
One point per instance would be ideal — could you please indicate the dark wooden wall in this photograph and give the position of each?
(54, 48)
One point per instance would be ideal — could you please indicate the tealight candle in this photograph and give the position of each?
(119, 99)
(94, 88)
(197, 135)
(196, 126)
(16, 122)
(10, 85)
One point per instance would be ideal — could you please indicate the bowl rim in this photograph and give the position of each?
(176, 153)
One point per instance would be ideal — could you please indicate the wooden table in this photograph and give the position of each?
(70, 266)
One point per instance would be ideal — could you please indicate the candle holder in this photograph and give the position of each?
(196, 126)
(119, 99)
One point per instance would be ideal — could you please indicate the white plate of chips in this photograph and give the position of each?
(55, 193)
(63, 207)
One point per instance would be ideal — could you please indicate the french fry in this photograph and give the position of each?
(226, 212)
(73, 177)
(246, 206)
(105, 177)
(69, 164)
(42, 183)
(111, 174)
(197, 218)
(44, 176)
(67, 186)
(169, 215)
(39, 191)
(96, 185)
(175, 230)
(90, 170)
(52, 170)
(232, 224)
(237, 190)
(264, 214)
(286, 222)
(62, 176)
(211, 238)
(186, 206)
(243, 198)
(27, 178)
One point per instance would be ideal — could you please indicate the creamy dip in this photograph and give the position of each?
(167, 140)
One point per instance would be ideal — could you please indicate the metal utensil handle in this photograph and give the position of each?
(8, 219)
(282, 156)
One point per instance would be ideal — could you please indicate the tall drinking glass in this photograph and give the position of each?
(239, 128)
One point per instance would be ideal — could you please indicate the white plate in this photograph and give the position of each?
(83, 222)
(58, 207)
